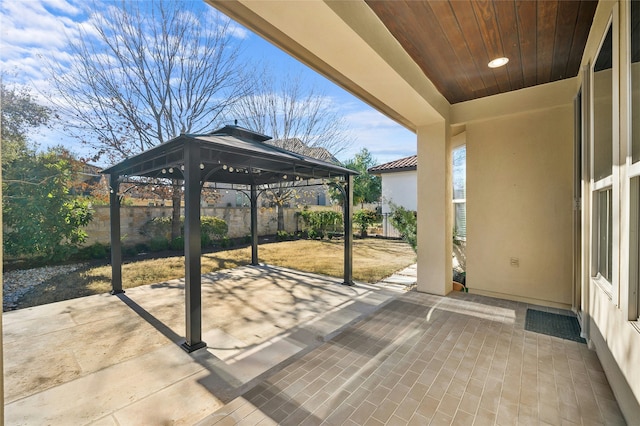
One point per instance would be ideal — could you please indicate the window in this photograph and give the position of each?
(634, 169)
(602, 149)
(635, 80)
(604, 234)
(460, 192)
(634, 244)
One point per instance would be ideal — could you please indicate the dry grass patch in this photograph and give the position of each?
(373, 259)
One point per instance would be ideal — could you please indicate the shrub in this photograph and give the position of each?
(95, 251)
(177, 243)
(158, 227)
(226, 242)
(405, 221)
(214, 227)
(205, 240)
(365, 217)
(211, 228)
(320, 222)
(247, 239)
(142, 247)
(283, 236)
(158, 244)
(129, 251)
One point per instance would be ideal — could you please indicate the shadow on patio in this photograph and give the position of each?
(117, 358)
(289, 347)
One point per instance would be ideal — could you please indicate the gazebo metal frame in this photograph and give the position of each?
(230, 155)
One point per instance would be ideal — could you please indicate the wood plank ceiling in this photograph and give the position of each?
(453, 41)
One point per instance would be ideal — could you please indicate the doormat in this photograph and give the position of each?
(562, 326)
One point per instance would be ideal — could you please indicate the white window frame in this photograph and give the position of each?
(609, 182)
(631, 179)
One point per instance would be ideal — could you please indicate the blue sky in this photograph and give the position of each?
(32, 29)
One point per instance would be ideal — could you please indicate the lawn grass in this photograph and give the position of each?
(373, 259)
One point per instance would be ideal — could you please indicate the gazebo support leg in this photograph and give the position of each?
(192, 249)
(348, 231)
(254, 226)
(116, 245)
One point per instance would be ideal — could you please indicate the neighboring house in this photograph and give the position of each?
(399, 183)
(552, 140)
(399, 187)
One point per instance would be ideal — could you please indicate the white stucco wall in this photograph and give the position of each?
(399, 188)
(519, 206)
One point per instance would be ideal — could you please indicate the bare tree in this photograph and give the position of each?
(287, 109)
(141, 73)
(299, 118)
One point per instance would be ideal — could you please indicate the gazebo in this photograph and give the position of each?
(230, 155)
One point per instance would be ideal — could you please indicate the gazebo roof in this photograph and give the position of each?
(231, 155)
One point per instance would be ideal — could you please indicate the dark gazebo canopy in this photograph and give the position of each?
(230, 155)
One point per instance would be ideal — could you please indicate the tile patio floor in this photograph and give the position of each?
(423, 359)
(297, 349)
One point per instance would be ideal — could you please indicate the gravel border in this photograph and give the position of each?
(16, 284)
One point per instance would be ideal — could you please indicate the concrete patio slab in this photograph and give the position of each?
(116, 359)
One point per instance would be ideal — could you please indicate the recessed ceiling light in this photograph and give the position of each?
(498, 62)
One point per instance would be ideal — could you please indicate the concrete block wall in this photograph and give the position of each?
(238, 219)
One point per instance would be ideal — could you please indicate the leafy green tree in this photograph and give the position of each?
(363, 218)
(41, 216)
(406, 222)
(367, 188)
(20, 113)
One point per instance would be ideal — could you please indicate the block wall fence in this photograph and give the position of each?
(238, 219)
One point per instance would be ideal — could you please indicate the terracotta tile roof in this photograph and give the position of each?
(401, 165)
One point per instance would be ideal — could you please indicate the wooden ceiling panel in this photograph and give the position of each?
(546, 32)
(453, 40)
(508, 27)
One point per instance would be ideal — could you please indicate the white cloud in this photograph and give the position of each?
(384, 138)
(63, 6)
(36, 29)
(32, 30)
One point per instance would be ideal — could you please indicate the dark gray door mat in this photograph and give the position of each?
(562, 326)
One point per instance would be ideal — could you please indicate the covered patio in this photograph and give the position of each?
(232, 155)
(287, 347)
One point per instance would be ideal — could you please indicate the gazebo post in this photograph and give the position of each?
(116, 245)
(192, 248)
(254, 225)
(348, 231)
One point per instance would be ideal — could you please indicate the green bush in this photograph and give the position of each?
(177, 243)
(158, 227)
(158, 244)
(142, 247)
(226, 242)
(247, 239)
(214, 227)
(211, 228)
(365, 217)
(319, 222)
(129, 251)
(95, 251)
(283, 236)
(406, 222)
